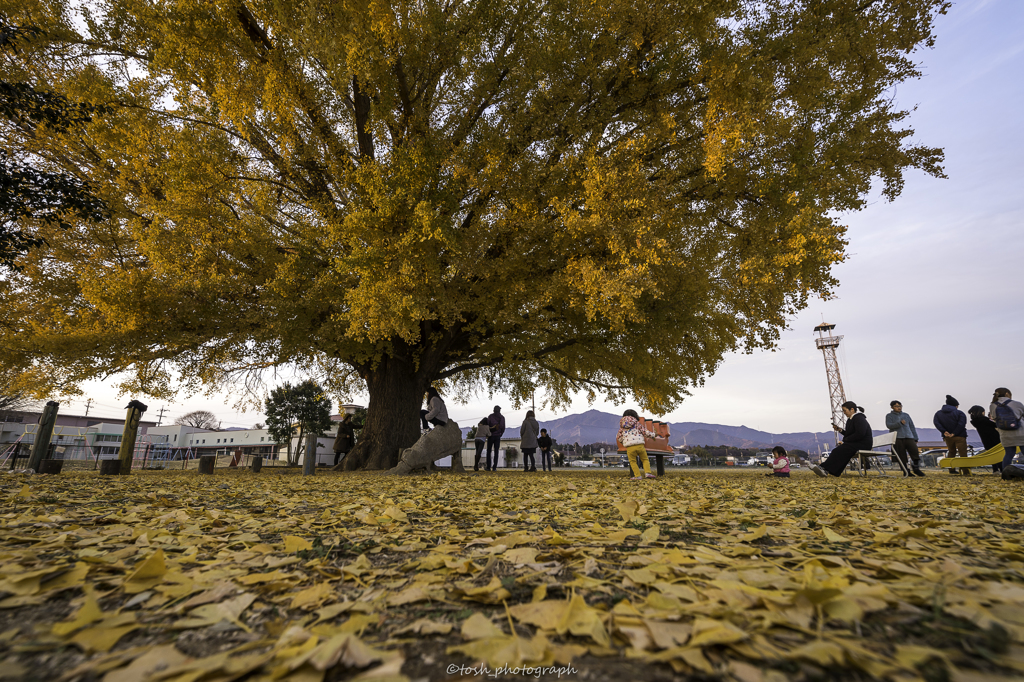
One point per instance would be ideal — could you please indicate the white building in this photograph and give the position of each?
(255, 442)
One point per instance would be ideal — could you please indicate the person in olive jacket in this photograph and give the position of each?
(856, 436)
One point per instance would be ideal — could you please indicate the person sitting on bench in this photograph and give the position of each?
(856, 437)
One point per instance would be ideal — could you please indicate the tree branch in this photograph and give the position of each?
(501, 358)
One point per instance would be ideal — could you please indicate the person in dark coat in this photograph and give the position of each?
(528, 433)
(344, 440)
(544, 442)
(986, 429)
(952, 424)
(856, 436)
(497, 423)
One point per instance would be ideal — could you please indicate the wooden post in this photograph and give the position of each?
(257, 464)
(206, 463)
(110, 467)
(309, 463)
(41, 446)
(131, 432)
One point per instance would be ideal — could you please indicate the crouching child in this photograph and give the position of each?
(780, 467)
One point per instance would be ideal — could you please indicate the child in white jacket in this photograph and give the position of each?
(631, 435)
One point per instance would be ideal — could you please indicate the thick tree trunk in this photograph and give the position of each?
(392, 417)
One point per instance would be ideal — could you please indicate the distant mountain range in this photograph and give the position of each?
(594, 426)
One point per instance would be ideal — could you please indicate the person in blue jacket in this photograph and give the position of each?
(906, 439)
(952, 424)
(856, 436)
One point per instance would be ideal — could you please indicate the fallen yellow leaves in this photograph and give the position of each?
(718, 574)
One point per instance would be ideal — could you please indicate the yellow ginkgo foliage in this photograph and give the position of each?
(575, 195)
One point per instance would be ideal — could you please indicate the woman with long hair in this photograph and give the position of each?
(528, 432)
(437, 413)
(856, 437)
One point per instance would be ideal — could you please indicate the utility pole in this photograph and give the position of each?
(160, 417)
(88, 404)
(827, 345)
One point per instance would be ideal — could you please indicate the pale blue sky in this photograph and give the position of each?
(930, 299)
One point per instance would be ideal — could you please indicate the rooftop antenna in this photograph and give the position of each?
(827, 345)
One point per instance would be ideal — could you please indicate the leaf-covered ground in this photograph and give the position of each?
(179, 577)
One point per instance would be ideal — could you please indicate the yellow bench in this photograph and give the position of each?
(984, 459)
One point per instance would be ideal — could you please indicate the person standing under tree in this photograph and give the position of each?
(345, 439)
(544, 443)
(497, 423)
(952, 424)
(906, 439)
(856, 437)
(483, 430)
(528, 434)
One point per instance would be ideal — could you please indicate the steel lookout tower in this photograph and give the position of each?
(827, 345)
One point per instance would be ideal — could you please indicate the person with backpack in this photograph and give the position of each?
(1008, 413)
(952, 424)
(986, 429)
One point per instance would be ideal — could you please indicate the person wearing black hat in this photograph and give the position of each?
(952, 424)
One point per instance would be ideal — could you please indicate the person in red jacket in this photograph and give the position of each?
(780, 467)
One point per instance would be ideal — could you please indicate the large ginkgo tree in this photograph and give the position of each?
(480, 195)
